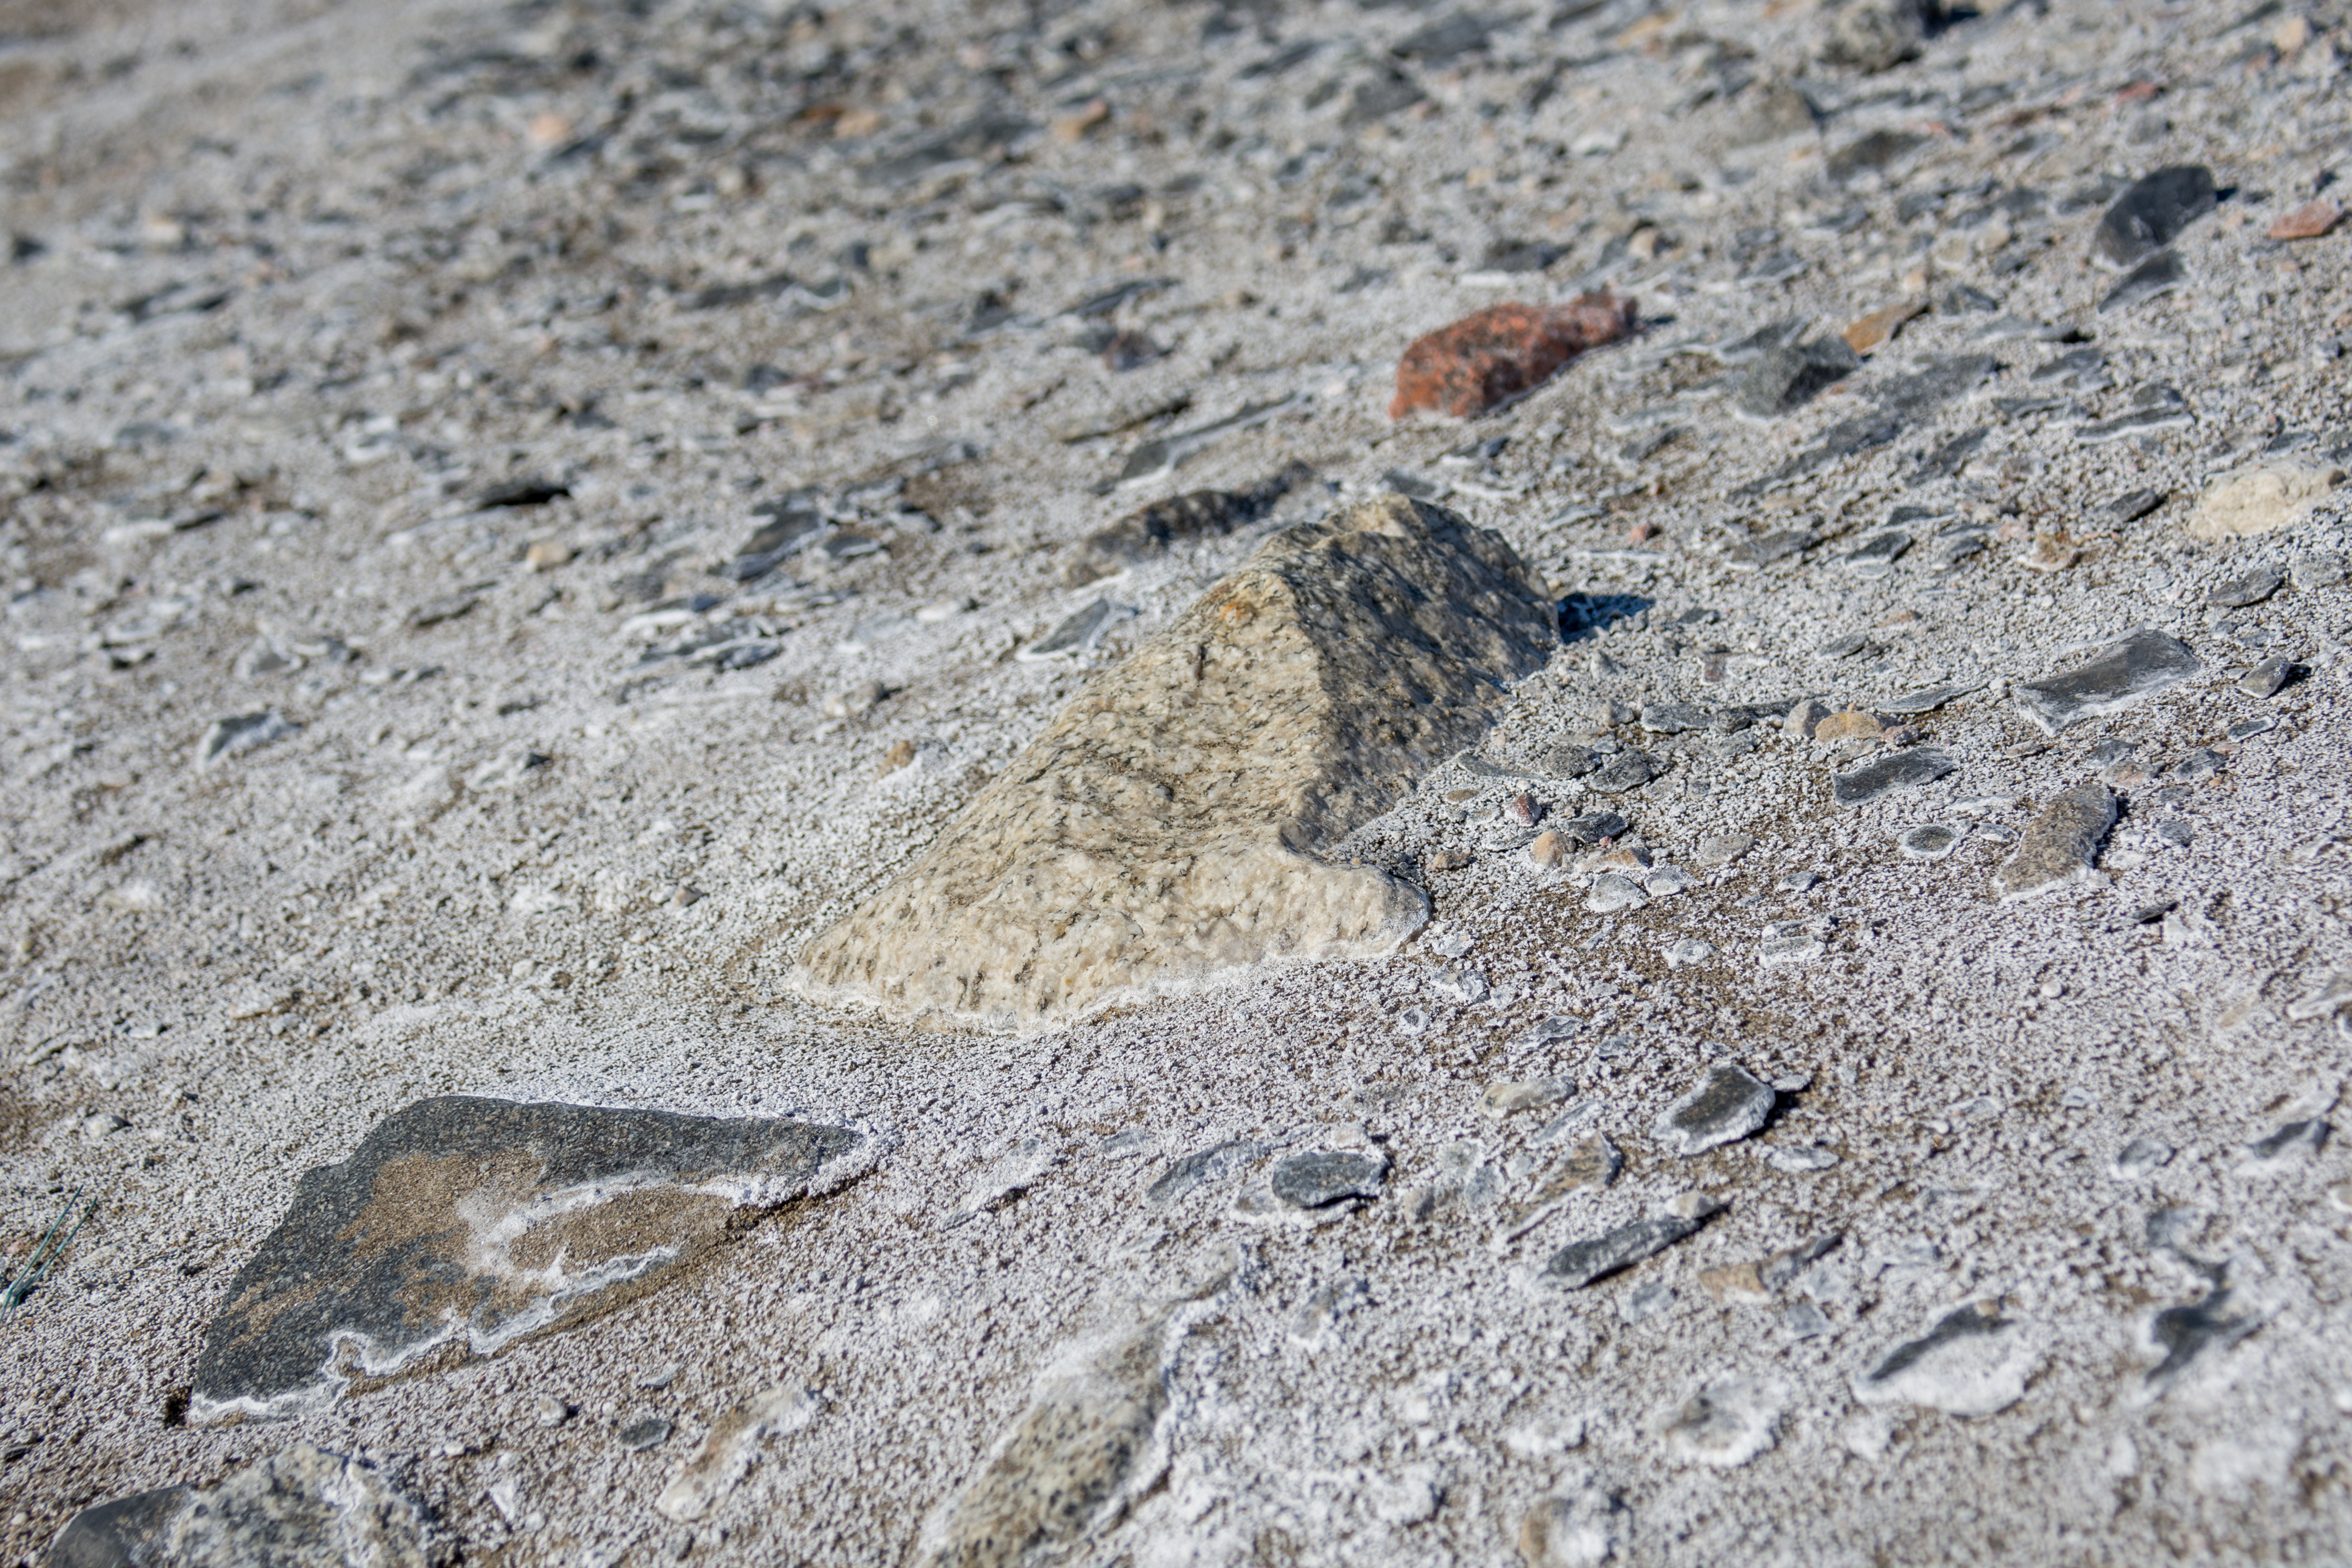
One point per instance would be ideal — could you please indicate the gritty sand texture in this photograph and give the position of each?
(393, 709)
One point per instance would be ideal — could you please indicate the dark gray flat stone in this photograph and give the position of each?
(1730, 1104)
(1077, 633)
(1626, 770)
(1317, 1181)
(2185, 1332)
(1789, 377)
(119, 1534)
(303, 1507)
(481, 1221)
(2247, 588)
(1580, 1263)
(1200, 1168)
(2152, 212)
(1927, 699)
(1883, 775)
(2159, 273)
(2119, 676)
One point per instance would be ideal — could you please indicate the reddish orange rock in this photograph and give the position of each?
(2308, 222)
(1468, 366)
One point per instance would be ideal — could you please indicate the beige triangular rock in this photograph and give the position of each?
(1171, 823)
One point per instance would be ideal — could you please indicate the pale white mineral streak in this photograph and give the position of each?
(1173, 821)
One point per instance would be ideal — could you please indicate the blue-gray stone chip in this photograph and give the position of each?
(1317, 1181)
(1580, 1263)
(1883, 775)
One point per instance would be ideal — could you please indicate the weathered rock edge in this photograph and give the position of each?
(482, 1221)
(1170, 823)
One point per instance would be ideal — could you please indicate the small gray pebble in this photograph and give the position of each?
(644, 1432)
(1934, 842)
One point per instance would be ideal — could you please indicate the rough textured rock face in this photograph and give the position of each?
(2261, 500)
(301, 1508)
(2061, 843)
(1167, 826)
(1068, 1462)
(483, 1221)
(1468, 366)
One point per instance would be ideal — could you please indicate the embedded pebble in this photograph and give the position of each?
(1610, 893)
(2141, 1158)
(1721, 848)
(641, 1432)
(2059, 844)
(1502, 1099)
(1971, 1362)
(1726, 1424)
(1583, 1263)
(2266, 679)
(2185, 1332)
(2247, 588)
(1933, 841)
(2118, 676)
(1458, 984)
(1685, 951)
(1728, 1105)
(1797, 1159)
(241, 733)
(2291, 1144)
(1882, 776)
(1317, 1181)
(1468, 366)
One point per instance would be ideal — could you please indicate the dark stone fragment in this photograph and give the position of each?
(1880, 775)
(1200, 1168)
(1281, 60)
(1730, 1104)
(1317, 1181)
(1873, 154)
(1570, 761)
(1581, 1263)
(1201, 514)
(986, 135)
(2247, 588)
(1968, 1322)
(1923, 391)
(2185, 1332)
(792, 522)
(2153, 210)
(1626, 770)
(1592, 828)
(2159, 273)
(1378, 98)
(2196, 767)
(383, 1252)
(522, 493)
(2118, 676)
(119, 1534)
(2084, 368)
(2305, 1138)
(1444, 40)
(448, 607)
(1096, 306)
(726, 296)
(644, 1432)
(1950, 457)
(1960, 299)
(1787, 378)
(2132, 506)
(1519, 256)
(1673, 718)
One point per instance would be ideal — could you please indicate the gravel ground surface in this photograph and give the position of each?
(519, 518)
